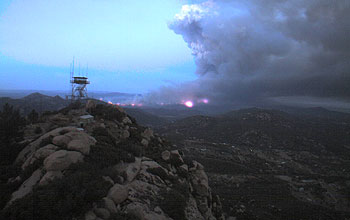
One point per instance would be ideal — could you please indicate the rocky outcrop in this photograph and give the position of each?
(147, 181)
(118, 193)
(27, 186)
(52, 153)
(61, 160)
(46, 138)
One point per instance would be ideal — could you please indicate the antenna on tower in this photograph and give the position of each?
(78, 83)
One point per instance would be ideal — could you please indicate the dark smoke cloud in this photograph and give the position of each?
(247, 51)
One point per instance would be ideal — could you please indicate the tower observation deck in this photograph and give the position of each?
(78, 84)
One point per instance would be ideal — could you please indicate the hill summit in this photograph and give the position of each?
(95, 162)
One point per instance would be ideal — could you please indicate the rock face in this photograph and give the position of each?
(32, 147)
(62, 159)
(129, 170)
(50, 176)
(27, 186)
(118, 193)
(145, 179)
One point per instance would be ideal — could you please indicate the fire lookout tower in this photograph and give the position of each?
(79, 83)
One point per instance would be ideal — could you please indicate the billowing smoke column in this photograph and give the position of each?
(248, 51)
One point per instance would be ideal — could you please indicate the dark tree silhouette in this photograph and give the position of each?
(10, 123)
(33, 116)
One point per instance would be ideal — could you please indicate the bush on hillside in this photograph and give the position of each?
(107, 112)
(175, 201)
(66, 198)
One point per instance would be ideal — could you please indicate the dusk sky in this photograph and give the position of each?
(127, 45)
(223, 51)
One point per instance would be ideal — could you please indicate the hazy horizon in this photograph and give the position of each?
(221, 52)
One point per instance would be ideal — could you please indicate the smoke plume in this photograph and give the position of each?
(247, 51)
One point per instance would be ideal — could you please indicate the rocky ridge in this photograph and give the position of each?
(135, 174)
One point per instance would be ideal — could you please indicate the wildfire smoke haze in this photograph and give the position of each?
(253, 51)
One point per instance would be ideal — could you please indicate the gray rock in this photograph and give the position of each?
(166, 155)
(176, 158)
(90, 215)
(81, 141)
(40, 154)
(119, 179)
(79, 145)
(136, 211)
(27, 186)
(44, 152)
(199, 180)
(108, 179)
(127, 120)
(118, 193)
(32, 147)
(109, 205)
(126, 134)
(147, 133)
(183, 168)
(155, 216)
(50, 176)
(150, 164)
(62, 159)
(102, 213)
(129, 170)
(61, 140)
(144, 142)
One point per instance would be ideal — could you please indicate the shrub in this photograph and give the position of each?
(175, 201)
(7, 172)
(38, 130)
(132, 147)
(103, 155)
(107, 112)
(33, 116)
(66, 198)
(103, 136)
(72, 106)
(10, 124)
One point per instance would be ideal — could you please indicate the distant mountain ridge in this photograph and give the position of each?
(36, 101)
(264, 128)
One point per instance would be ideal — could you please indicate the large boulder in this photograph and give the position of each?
(199, 180)
(27, 186)
(61, 140)
(126, 120)
(128, 170)
(109, 205)
(62, 159)
(176, 158)
(40, 154)
(166, 155)
(80, 141)
(147, 133)
(79, 145)
(32, 147)
(118, 193)
(46, 151)
(50, 176)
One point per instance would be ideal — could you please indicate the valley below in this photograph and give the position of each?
(267, 164)
(261, 164)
